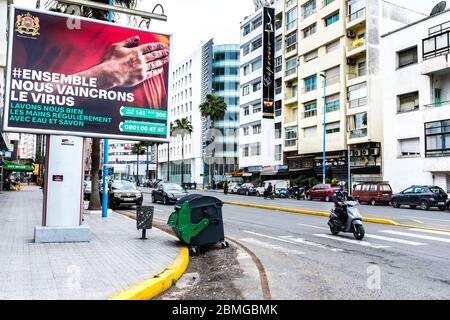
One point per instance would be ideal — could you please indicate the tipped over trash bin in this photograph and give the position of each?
(197, 222)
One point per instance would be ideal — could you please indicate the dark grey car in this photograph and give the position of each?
(424, 197)
(168, 193)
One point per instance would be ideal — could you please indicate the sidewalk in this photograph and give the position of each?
(113, 261)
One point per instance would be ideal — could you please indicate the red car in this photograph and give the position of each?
(321, 192)
(373, 193)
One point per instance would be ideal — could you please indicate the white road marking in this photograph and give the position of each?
(402, 241)
(271, 246)
(292, 240)
(442, 233)
(360, 243)
(310, 226)
(412, 235)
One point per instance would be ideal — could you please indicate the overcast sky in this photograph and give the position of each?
(194, 21)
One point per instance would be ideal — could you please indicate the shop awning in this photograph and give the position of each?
(12, 166)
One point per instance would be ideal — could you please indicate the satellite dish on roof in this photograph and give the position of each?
(438, 8)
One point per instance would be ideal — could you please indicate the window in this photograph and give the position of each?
(278, 64)
(246, 111)
(246, 131)
(256, 86)
(278, 86)
(332, 19)
(291, 42)
(256, 65)
(246, 30)
(255, 149)
(310, 109)
(291, 137)
(246, 90)
(278, 129)
(246, 49)
(333, 75)
(357, 125)
(246, 70)
(256, 44)
(278, 152)
(311, 55)
(409, 147)
(257, 23)
(437, 135)
(245, 150)
(333, 46)
(291, 66)
(356, 9)
(408, 102)
(309, 8)
(310, 132)
(407, 57)
(257, 108)
(310, 83)
(357, 95)
(333, 103)
(278, 44)
(362, 69)
(310, 30)
(334, 127)
(291, 19)
(256, 129)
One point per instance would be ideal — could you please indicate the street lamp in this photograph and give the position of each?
(324, 169)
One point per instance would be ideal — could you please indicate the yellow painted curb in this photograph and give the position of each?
(159, 283)
(327, 215)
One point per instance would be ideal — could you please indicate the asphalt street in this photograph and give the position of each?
(304, 261)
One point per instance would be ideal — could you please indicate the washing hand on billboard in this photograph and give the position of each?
(126, 64)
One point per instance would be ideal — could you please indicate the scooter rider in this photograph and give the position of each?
(269, 190)
(340, 207)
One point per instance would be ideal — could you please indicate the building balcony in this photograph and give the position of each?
(357, 48)
(354, 79)
(436, 64)
(359, 17)
(290, 145)
(436, 112)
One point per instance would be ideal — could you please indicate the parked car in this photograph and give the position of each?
(448, 205)
(322, 192)
(247, 189)
(424, 197)
(233, 187)
(373, 193)
(87, 190)
(168, 193)
(124, 193)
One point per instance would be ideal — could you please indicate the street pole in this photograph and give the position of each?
(324, 161)
(105, 159)
(349, 173)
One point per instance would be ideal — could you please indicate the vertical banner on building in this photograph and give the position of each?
(269, 63)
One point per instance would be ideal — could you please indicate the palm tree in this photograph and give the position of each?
(95, 203)
(182, 128)
(138, 149)
(213, 108)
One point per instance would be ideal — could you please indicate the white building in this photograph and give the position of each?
(27, 146)
(416, 107)
(260, 139)
(189, 82)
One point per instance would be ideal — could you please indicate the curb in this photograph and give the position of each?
(327, 215)
(159, 283)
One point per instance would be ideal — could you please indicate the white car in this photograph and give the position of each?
(233, 187)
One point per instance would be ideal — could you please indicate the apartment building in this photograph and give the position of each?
(27, 146)
(260, 134)
(333, 85)
(210, 69)
(416, 102)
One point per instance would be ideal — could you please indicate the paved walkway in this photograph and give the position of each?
(114, 260)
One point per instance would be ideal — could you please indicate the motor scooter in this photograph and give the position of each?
(352, 225)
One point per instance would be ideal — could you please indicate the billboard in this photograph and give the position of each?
(75, 76)
(269, 63)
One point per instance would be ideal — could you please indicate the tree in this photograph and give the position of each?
(138, 149)
(95, 203)
(182, 128)
(213, 108)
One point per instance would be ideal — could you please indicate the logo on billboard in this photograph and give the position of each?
(27, 24)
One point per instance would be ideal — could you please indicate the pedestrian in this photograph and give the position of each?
(225, 187)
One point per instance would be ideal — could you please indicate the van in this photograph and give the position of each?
(373, 193)
(277, 185)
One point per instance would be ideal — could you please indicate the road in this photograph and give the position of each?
(304, 261)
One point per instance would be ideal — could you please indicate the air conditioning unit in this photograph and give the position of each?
(351, 34)
(357, 153)
(375, 152)
(366, 152)
(351, 61)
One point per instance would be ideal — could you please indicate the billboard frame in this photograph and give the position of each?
(7, 128)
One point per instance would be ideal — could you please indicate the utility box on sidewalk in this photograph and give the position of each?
(144, 219)
(198, 222)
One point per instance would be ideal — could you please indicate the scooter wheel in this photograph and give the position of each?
(359, 232)
(334, 231)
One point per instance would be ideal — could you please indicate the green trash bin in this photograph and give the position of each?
(197, 222)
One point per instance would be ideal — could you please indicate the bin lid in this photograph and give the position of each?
(198, 200)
